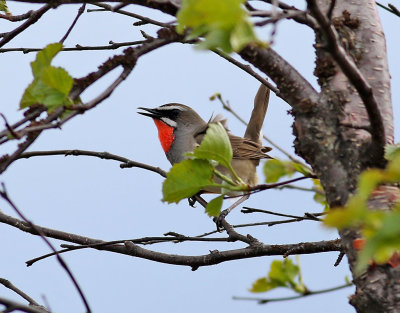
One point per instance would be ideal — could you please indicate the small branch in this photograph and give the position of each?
(37, 230)
(309, 293)
(213, 258)
(134, 15)
(34, 17)
(80, 12)
(6, 283)
(355, 77)
(126, 163)
(307, 216)
(78, 47)
(13, 306)
(17, 18)
(390, 8)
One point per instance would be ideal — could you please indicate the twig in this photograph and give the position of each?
(78, 47)
(126, 163)
(37, 230)
(13, 305)
(134, 15)
(310, 216)
(339, 259)
(17, 18)
(143, 241)
(9, 128)
(308, 293)
(356, 78)
(80, 12)
(34, 17)
(391, 8)
(6, 283)
(192, 261)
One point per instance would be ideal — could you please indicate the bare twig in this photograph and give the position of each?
(308, 293)
(38, 231)
(355, 76)
(78, 47)
(307, 216)
(80, 12)
(390, 8)
(17, 18)
(126, 163)
(13, 306)
(134, 15)
(192, 261)
(33, 18)
(6, 283)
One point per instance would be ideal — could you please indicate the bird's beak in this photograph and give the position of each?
(153, 113)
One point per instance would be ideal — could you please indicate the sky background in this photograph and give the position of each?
(96, 198)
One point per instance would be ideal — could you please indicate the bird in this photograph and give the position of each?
(181, 130)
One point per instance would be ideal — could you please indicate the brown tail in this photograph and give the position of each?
(261, 100)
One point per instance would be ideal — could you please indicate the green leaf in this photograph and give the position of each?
(354, 213)
(301, 169)
(282, 274)
(215, 146)
(51, 85)
(263, 285)
(44, 58)
(275, 169)
(214, 206)
(241, 35)
(391, 151)
(368, 181)
(187, 178)
(4, 7)
(224, 23)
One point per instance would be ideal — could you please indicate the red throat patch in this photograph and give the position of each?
(165, 134)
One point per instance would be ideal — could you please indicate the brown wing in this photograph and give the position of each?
(247, 149)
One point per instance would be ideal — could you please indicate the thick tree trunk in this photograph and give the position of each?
(335, 136)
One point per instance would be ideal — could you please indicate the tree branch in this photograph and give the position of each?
(308, 293)
(33, 18)
(192, 261)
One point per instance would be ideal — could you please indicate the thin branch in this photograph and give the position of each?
(134, 15)
(143, 241)
(126, 163)
(34, 17)
(390, 8)
(307, 216)
(112, 46)
(212, 258)
(12, 306)
(37, 230)
(308, 293)
(17, 18)
(355, 76)
(6, 283)
(80, 12)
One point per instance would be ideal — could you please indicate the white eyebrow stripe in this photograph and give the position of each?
(169, 122)
(171, 107)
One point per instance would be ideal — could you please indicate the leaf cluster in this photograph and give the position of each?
(224, 23)
(379, 229)
(51, 85)
(284, 274)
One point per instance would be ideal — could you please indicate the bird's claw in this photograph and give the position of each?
(218, 220)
